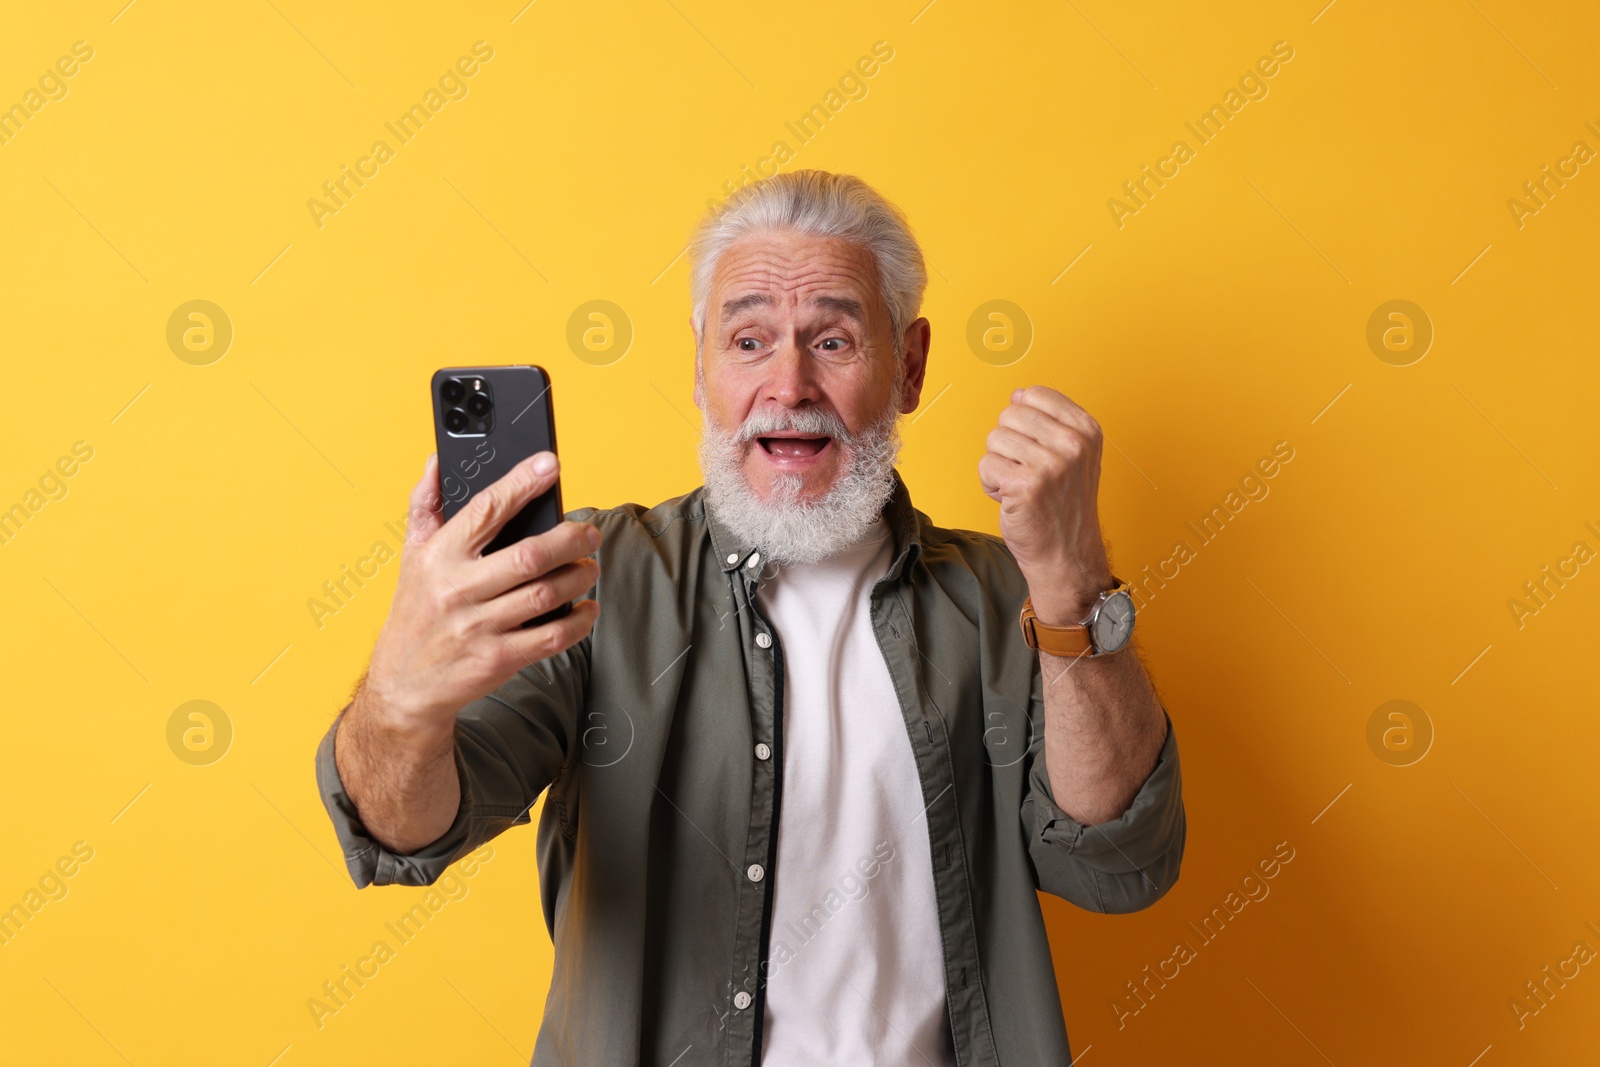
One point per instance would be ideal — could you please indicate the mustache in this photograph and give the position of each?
(807, 420)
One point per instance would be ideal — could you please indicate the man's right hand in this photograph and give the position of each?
(454, 632)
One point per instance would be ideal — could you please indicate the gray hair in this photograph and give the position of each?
(820, 204)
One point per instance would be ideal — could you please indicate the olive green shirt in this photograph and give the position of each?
(658, 741)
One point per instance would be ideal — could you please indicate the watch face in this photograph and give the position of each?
(1113, 623)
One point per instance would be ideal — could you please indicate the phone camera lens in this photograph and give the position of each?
(478, 404)
(453, 391)
(455, 420)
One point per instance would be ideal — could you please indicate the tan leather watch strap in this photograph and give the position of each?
(1066, 641)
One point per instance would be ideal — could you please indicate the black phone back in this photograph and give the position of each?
(486, 420)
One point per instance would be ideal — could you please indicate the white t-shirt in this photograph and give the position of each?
(856, 970)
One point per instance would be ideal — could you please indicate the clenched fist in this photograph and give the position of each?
(1043, 466)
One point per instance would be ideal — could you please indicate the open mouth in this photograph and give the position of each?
(794, 446)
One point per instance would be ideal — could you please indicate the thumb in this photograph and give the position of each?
(426, 513)
(987, 477)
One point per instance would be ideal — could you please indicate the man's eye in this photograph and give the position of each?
(838, 341)
(744, 341)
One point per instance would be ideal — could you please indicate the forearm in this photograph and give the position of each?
(1103, 730)
(403, 781)
(1104, 725)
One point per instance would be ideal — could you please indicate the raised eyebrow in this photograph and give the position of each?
(731, 308)
(843, 304)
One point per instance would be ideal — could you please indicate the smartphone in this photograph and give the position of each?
(486, 420)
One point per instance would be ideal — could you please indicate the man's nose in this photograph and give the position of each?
(792, 381)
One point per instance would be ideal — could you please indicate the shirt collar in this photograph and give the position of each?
(904, 527)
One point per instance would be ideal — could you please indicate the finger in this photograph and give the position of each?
(1010, 444)
(530, 558)
(547, 639)
(425, 514)
(1042, 426)
(1056, 404)
(532, 599)
(995, 474)
(475, 525)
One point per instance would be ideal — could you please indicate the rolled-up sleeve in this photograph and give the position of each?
(1121, 865)
(509, 746)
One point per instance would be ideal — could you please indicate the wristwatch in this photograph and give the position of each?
(1108, 628)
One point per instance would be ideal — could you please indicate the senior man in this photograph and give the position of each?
(806, 772)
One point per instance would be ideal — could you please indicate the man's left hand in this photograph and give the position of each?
(1043, 466)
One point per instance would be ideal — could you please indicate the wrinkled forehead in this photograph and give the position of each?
(785, 273)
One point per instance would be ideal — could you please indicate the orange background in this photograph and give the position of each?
(1228, 314)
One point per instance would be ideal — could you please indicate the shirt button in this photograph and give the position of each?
(755, 872)
(741, 1000)
(733, 557)
(763, 751)
(763, 640)
(754, 561)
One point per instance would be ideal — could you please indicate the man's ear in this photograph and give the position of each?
(699, 376)
(914, 345)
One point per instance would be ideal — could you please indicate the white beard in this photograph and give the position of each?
(784, 528)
